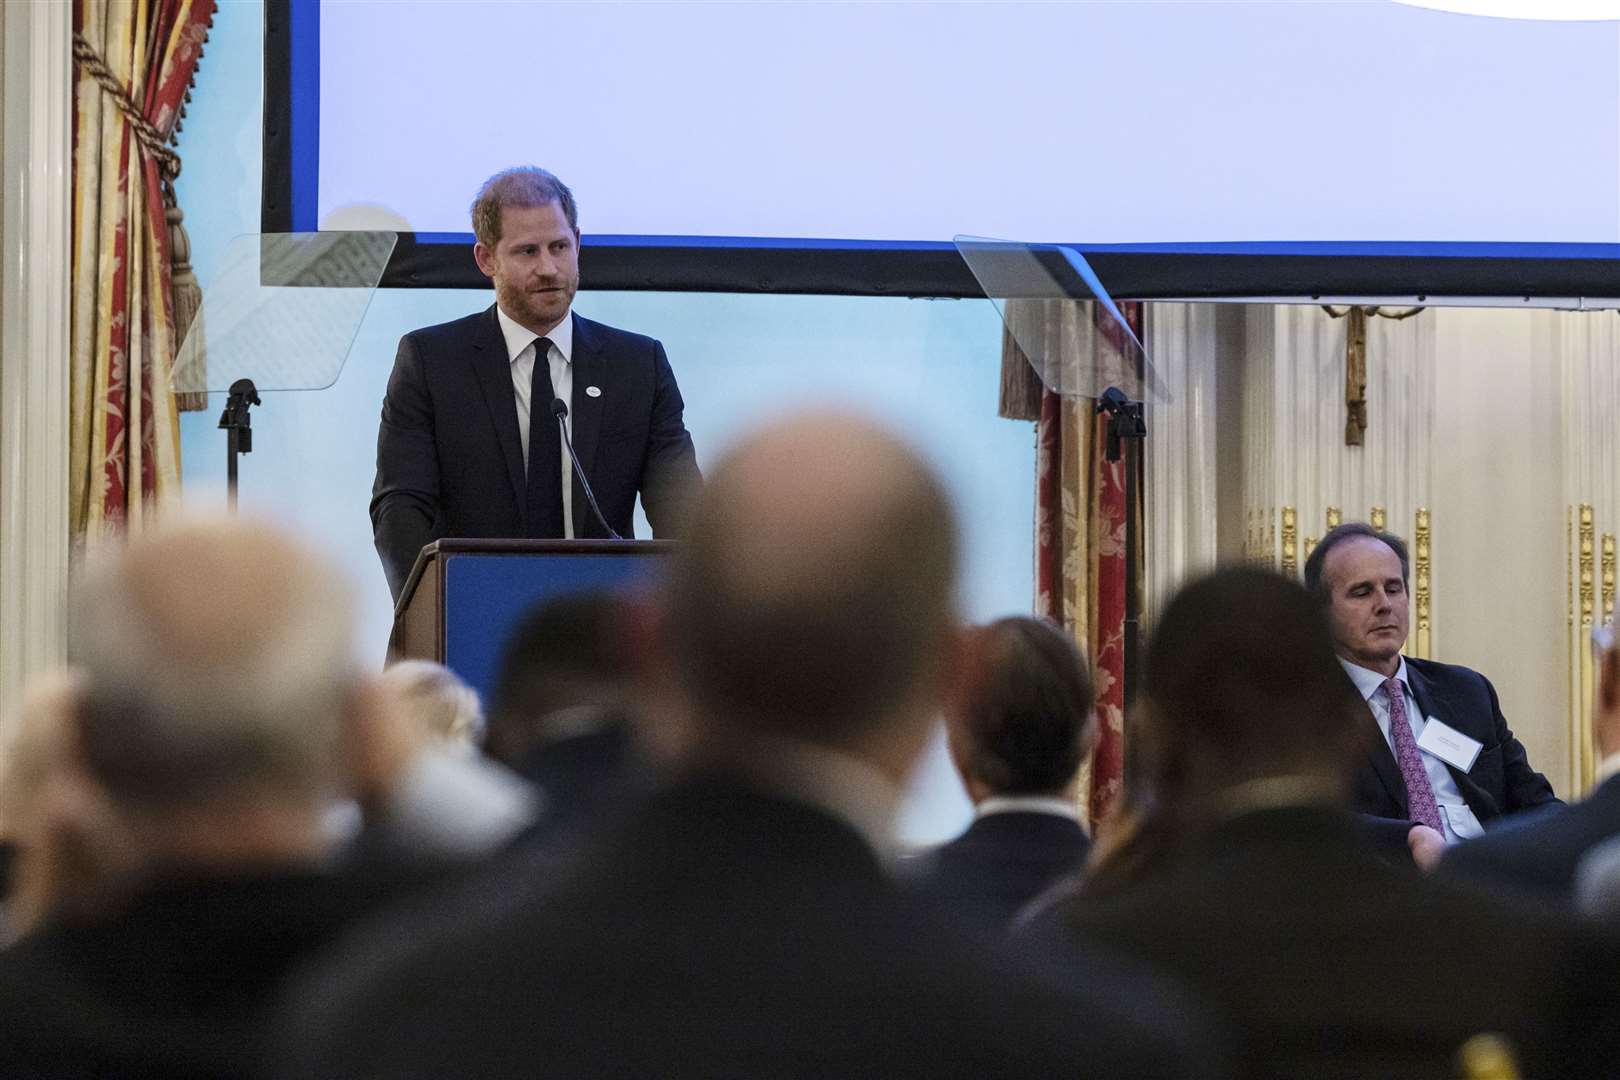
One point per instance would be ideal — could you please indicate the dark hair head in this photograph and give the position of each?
(1320, 587)
(1240, 682)
(525, 186)
(813, 592)
(567, 652)
(1025, 724)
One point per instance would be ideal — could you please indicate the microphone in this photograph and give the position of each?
(559, 409)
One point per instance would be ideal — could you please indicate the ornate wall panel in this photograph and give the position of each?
(1296, 419)
(1587, 348)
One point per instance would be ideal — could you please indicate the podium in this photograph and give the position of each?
(464, 597)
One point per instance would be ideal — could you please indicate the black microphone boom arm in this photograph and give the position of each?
(559, 409)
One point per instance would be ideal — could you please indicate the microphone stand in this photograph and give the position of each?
(1127, 429)
(238, 427)
(559, 409)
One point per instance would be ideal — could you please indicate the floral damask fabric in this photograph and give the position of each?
(125, 453)
(1080, 547)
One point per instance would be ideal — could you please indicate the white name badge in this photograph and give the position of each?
(1449, 745)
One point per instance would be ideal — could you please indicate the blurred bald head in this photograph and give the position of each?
(813, 596)
(218, 656)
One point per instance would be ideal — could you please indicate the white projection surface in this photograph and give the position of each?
(1083, 122)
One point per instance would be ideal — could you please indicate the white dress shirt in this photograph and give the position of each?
(1459, 821)
(520, 351)
(1027, 804)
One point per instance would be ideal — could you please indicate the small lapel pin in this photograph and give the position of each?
(593, 391)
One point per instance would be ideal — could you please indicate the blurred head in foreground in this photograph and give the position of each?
(812, 599)
(221, 707)
(63, 842)
(1240, 691)
(435, 702)
(1240, 684)
(569, 669)
(1028, 720)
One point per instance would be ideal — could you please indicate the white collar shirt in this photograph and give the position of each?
(520, 352)
(1459, 821)
(1028, 804)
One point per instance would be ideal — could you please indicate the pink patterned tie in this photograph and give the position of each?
(1420, 804)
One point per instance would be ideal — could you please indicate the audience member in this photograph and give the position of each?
(1538, 852)
(220, 712)
(65, 846)
(431, 696)
(451, 801)
(1438, 758)
(741, 923)
(565, 712)
(1017, 741)
(1329, 961)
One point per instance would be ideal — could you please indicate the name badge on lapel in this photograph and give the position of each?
(1449, 745)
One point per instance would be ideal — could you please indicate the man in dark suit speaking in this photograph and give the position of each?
(469, 443)
(1438, 752)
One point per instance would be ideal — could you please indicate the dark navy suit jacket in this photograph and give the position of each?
(721, 931)
(449, 456)
(1501, 780)
(1539, 852)
(1002, 862)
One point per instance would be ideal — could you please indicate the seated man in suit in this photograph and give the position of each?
(218, 716)
(1438, 752)
(1251, 880)
(1018, 741)
(455, 456)
(741, 923)
(1539, 852)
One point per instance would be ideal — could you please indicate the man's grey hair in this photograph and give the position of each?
(218, 656)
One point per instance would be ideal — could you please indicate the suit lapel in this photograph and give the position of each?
(1434, 705)
(1382, 758)
(494, 370)
(590, 369)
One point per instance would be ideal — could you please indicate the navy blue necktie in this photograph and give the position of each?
(543, 503)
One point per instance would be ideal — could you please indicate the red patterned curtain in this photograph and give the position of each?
(1079, 523)
(135, 60)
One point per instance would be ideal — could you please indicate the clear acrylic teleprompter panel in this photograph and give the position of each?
(1076, 349)
(283, 310)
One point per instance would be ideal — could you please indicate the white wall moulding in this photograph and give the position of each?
(35, 117)
(1587, 349)
(1182, 517)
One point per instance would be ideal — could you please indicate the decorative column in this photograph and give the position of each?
(35, 111)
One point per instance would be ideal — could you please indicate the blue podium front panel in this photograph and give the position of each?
(486, 595)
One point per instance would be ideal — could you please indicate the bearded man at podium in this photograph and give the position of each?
(475, 423)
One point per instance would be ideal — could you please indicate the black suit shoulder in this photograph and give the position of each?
(176, 984)
(1539, 851)
(1001, 863)
(1330, 962)
(455, 332)
(614, 338)
(718, 933)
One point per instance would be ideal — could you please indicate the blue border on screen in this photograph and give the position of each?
(304, 86)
